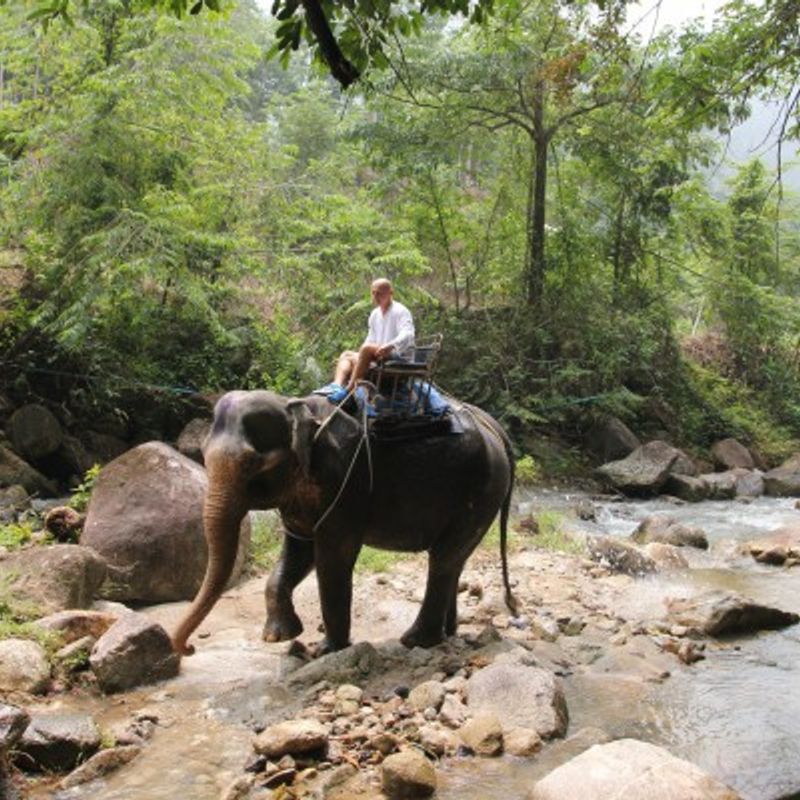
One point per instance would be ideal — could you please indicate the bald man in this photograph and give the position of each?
(390, 335)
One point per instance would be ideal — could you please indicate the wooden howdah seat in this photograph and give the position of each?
(401, 389)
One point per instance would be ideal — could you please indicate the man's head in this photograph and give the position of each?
(382, 293)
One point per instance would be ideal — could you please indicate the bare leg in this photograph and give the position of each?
(366, 355)
(344, 367)
(296, 561)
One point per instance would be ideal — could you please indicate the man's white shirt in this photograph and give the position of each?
(395, 327)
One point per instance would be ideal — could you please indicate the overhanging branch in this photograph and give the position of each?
(340, 67)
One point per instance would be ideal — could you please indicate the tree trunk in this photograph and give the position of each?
(535, 256)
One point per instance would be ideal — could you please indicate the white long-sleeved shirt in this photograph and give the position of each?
(395, 327)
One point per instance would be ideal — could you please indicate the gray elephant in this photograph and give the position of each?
(336, 490)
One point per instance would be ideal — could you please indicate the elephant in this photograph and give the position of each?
(337, 489)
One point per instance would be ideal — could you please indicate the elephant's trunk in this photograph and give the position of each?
(223, 511)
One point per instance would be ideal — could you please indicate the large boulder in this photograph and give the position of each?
(407, 775)
(291, 737)
(721, 485)
(54, 578)
(619, 556)
(190, 442)
(748, 482)
(520, 697)
(76, 624)
(687, 487)
(34, 431)
(134, 651)
(784, 481)
(13, 721)
(14, 471)
(628, 769)
(666, 530)
(146, 518)
(610, 439)
(56, 742)
(645, 470)
(730, 454)
(720, 613)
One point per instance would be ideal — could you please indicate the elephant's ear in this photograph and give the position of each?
(304, 426)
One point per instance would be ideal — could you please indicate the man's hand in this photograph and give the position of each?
(384, 351)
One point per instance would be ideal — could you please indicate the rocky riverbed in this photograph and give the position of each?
(666, 662)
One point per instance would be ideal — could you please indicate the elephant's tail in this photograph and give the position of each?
(511, 601)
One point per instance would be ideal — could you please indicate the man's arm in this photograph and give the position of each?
(404, 340)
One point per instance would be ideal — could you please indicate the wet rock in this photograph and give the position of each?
(13, 721)
(23, 667)
(190, 441)
(780, 546)
(57, 742)
(721, 613)
(437, 740)
(429, 694)
(545, 628)
(34, 431)
(784, 481)
(730, 454)
(687, 487)
(644, 471)
(134, 651)
(522, 742)
(16, 472)
(64, 523)
(628, 768)
(453, 712)
(483, 735)
(749, 483)
(721, 485)
(384, 743)
(657, 528)
(145, 518)
(77, 623)
(520, 696)
(407, 775)
(619, 556)
(344, 666)
(101, 764)
(666, 556)
(291, 738)
(54, 578)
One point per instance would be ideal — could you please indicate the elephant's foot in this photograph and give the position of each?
(417, 637)
(326, 646)
(286, 627)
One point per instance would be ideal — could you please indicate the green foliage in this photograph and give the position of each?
(527, 472)
(16, 616)
(83, 492)
(370, 559)
(553, 535)
(13, 535)
(266, 540)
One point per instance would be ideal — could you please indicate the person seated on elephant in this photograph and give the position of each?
(390, 334)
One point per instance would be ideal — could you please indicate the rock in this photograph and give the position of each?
(64, 523)
(23, 666)
(730, 454)
(721, 485)
(54, 578)
(15, 471)
(619, 556)
(778, 547)
(346, 692)
(15, 497)
(13, 721)
(134, 651)
(437, 740)
(344, 666)
(102, 448)
(453, 712)
(628, 769)
(483, 735)
(291, 737)
(57, 742)
(101, 764)
(720, 613)
(77, 623)
(783, 481)
(145, 518)
(748, 483)
(239, 788)
(34, 431)
(74, 656)
(406, 775)
(522, 742)
(667, 531)
(429, 694)
(610, 439)
(666, 556)
(520, 696)
(686, 487)
(190, 441)
(72, 459)
(644, 471)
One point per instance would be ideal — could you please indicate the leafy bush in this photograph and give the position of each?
(83, 492)
(15, 534)
(527, 471)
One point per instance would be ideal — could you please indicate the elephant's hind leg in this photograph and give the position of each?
(295, 562)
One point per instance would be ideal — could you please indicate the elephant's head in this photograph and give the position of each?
(257, 454)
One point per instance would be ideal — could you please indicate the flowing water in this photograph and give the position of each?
(737, 713)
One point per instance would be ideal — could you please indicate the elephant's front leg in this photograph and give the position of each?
(295, 562)
(335, 558)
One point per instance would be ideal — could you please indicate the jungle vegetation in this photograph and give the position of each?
(179, 209)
